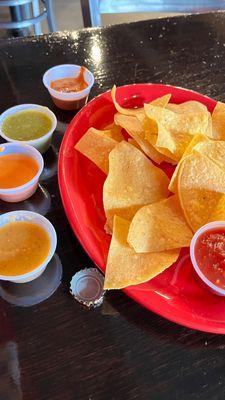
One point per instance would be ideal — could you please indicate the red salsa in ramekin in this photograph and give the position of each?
(207, 252)
(210, 255)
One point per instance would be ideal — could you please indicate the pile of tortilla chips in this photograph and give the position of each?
(150, 216)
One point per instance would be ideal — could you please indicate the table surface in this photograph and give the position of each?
(58, 349)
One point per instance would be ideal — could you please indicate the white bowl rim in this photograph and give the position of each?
(84, 91)
(204, 228)
(27, 106)
(20, 188)
(53, 240)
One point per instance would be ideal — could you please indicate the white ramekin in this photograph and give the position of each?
(25, 191)
(30, 216)
(72, 100)
(204, 228)
(42, 143)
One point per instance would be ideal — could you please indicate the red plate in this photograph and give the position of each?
(176, 294)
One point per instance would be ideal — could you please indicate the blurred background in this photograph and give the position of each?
(27, 17)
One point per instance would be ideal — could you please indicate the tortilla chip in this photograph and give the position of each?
(133, 127)
(158, 227)
(129, 123)
(96, 146)
(190, 123)
(175, 143)
(209, 130)
(218, 121)
(161, 101)
(133, 181)
(175, 130)
(149, 126)
(134, 143)
(125, 267)
(218, 213)
(196, 139)
(165, 153)
(201, 185)
(191, 106)
(114, 131)
(137, 128)
(215, 150)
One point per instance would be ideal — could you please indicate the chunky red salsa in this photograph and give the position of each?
(210, 255)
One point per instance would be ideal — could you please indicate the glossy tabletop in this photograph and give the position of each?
(57, 349)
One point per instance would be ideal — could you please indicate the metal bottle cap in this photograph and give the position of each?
(87, 287)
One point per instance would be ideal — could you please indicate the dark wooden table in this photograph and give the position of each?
(58, 350)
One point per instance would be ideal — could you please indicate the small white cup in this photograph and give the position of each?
(42, 143)
(72, 100)
(25, 191)
(211, 225)
(30, 216)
